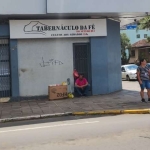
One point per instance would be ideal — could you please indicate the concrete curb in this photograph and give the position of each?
(113, 112)
(34, 117)
(103, 112)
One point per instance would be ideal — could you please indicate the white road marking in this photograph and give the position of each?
(53, 126)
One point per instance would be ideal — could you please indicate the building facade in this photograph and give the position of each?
(140, 46)
(43, 41)
(136, 35)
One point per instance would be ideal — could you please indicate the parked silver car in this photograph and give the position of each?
(129, 72)
(148, 64)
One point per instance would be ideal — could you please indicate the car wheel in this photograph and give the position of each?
(127, 78)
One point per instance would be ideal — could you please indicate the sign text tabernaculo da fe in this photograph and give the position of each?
(55, 28)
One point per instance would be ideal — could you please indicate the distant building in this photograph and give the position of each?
(138, 40)
(140, 49)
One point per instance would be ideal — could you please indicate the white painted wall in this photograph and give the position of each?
(97, 6)
(22, 7)
(34, 79)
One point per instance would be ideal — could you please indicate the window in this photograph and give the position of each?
(138, 35)
(123, 69)
(132, 53)
(131, 67)
(145, 35)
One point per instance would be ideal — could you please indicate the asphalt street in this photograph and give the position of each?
(123, 132)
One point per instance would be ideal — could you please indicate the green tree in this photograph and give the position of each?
(148, 39)
(125, 45)
(144, 23)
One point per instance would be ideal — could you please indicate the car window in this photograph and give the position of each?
(132, 67)
(148, 64)
(122, 69)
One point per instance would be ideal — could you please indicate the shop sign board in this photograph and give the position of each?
(23, 29)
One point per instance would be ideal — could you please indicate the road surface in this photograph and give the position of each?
(122, 132)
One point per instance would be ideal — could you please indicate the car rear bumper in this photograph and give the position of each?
(133, 76)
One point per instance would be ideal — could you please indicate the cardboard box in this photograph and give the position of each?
(57, 92)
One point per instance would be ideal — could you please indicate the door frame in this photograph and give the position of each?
(89, 61)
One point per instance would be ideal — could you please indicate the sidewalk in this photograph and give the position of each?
(122, 100)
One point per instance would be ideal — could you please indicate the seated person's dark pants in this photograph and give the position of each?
(83, 91)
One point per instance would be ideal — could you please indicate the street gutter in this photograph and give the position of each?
(88, 113)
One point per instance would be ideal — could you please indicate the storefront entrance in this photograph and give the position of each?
(5, 88)
(82, 59)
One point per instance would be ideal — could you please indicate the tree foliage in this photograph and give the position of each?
(148, 39)
(125, 45)
(144, 23)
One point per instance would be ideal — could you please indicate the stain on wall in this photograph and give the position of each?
(23, 70)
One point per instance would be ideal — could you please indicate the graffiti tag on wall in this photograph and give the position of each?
(50, 62)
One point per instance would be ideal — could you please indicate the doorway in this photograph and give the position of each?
(82, 60)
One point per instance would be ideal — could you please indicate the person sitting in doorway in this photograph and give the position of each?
(82, 86)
